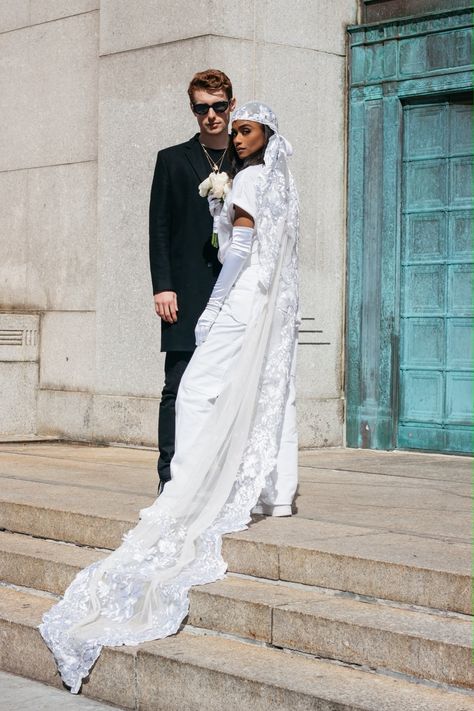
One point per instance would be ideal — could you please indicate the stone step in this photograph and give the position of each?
(197, 671)
(393, 525)
(396, 566)
(91, 516)
(40, 564)
(425, 644)
(326, 624)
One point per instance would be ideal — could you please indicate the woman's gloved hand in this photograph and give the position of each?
(206, 321)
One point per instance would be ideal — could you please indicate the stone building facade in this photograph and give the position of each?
(91, 90)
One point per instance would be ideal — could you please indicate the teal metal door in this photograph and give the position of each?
(409, 264)
(436, 277)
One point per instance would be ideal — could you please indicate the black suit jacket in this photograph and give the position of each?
(182, 258)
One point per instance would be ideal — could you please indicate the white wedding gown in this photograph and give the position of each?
(215, 360)
(227, 459)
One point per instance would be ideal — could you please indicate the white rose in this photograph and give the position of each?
(220, 184)
(204, 187)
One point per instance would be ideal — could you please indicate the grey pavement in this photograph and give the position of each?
(19, 694)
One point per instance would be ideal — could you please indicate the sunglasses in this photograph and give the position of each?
(219, 107)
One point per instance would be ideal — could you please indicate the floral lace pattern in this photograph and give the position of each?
(140, 591)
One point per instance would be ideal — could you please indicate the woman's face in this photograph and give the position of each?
(248, 137)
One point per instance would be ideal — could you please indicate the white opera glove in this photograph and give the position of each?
(206, 321)
(235, 258)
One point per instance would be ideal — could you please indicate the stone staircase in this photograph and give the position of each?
(315, 614)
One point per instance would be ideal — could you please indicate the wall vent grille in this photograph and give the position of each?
(11, 337)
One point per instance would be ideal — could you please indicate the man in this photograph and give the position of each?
(183, 262)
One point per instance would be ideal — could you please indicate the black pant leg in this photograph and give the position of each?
(175, 365)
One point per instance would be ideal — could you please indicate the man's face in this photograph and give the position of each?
(212, 123)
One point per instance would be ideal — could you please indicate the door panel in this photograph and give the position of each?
(436, 280)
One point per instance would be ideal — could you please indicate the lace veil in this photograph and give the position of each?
(140, 591)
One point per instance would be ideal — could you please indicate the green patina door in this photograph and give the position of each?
(436, 277)
(409, 377)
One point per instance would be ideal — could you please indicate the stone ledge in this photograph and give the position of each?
(184, 670)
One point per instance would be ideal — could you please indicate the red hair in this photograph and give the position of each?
(210, 80)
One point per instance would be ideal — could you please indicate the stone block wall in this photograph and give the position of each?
(90, 91)
(48, 192)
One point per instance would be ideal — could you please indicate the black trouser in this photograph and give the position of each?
(175, 365)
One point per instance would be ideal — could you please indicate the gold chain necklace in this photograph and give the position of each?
(216, 167)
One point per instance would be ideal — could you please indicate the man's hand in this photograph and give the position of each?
(166, 306)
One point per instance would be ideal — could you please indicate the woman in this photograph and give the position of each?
(235, 433)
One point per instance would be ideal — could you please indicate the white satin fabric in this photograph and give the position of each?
(140, 591)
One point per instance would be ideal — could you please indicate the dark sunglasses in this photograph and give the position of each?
(219, 107)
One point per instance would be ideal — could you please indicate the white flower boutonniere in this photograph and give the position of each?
(215, 188)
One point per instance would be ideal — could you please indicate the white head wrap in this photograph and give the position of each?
(277, 202)
(261, 113)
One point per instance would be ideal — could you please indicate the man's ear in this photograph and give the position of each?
(232, 104)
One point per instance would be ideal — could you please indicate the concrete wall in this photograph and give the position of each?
(90, 90)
